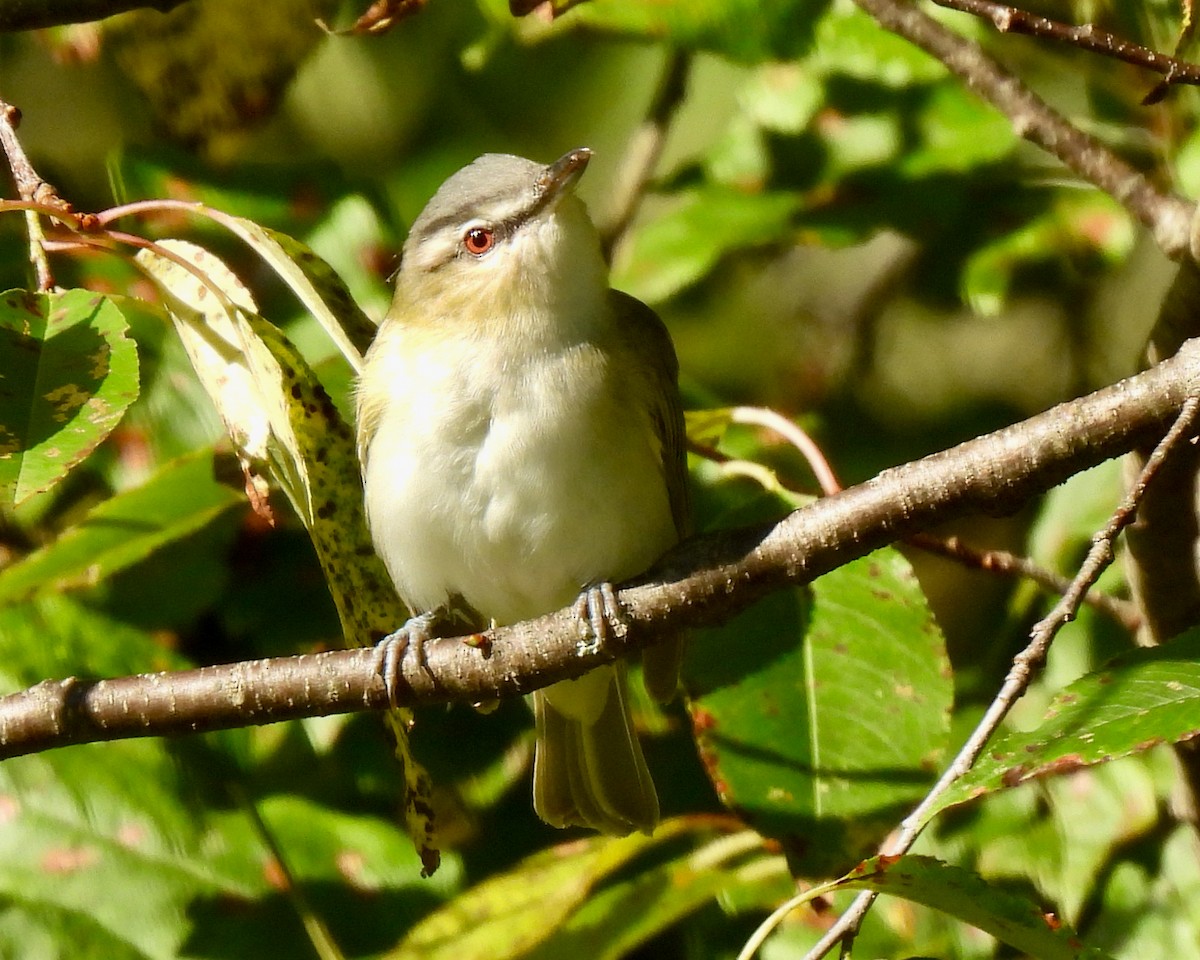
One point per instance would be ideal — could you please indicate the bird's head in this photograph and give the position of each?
(503, 236)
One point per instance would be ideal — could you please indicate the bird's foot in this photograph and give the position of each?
(392, 649)
(600, 616)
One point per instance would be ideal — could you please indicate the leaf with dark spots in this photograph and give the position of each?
(68, 373)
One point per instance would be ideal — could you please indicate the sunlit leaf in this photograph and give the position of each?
(955, 134)
(1084, 225)
(108, 843)
(319, 288)
(627, 913)
(178, 500)
(680, 247)
(960, 893)
(1147, 697)
(68, 372)
(98, 843)
(849, 41)
(514, 911)
(782, 97)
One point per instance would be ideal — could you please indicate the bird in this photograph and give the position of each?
(521, 435)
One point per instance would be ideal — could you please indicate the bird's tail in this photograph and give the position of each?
(588, 769)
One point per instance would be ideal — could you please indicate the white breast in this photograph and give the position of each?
(513, 480)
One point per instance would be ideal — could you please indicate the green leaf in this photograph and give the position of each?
(1071, 514)
(68, 372)
(106, 847)
(962, 894)
(327, 845)
(315, 283)
(53, 635)
(359, 873)
(1087, 224)
(682, 246)
(821, 712)
(850, 42)
(1145, 698)
(1121, 803)
(782, 97)
(956, 134)
(627, 913)
(211, 71)
(178, 500)
(97, 842)
(511, 913)
(1147, 906)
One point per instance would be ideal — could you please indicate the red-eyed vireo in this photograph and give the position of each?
(522, 441)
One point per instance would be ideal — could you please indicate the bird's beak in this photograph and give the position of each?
(557, 179)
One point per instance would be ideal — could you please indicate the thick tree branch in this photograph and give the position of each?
(1169, 217)
(704, 581)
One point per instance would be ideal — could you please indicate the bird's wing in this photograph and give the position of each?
(647, 336)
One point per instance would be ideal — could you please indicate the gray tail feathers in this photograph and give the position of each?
(589, 770)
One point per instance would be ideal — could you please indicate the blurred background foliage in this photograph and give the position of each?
(836, 228)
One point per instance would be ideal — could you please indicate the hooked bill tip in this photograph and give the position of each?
(564, 171)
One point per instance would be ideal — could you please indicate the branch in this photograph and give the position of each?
(30, 187)
(35, 14)
(1168, 216)
(1025, 666)
(644, 150)
(704, 581)
(1087, 37)
(1001, 562)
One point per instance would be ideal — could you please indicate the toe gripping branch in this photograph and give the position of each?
(392, 649)
(600, 615)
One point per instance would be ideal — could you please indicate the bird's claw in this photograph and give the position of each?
(392, 649)
(600, 615)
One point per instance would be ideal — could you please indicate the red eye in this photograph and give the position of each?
(479, 240)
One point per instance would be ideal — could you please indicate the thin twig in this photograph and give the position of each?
(30, 187)
(37, 251)
(1087, 37)
(37, 196)
(1169, 217)
(1004, 563)
(794, 434)
(645, 149)
(1000, 562)
(319, 936)
(25, 178)
(1025, 664)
